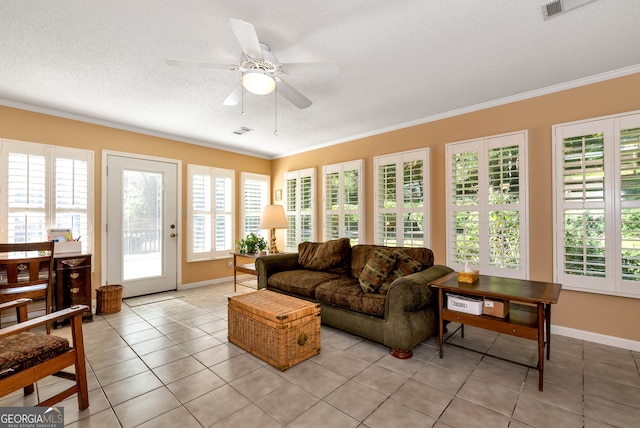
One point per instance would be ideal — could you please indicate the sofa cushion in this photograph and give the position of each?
(345, 292)
(405, 265)
(360, 254)
(332, 256)
(302, 282)
(378, 267)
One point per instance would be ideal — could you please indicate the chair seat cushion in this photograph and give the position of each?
(25, 350)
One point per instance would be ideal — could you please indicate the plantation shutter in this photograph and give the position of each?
(332, 211)
(401, 202)
(46, 187)
(201, 213)
(299, 207)
(224, 213)
(255, 198)
(629, 151)
(27, 194)
(487, 205)
(72, 194)
(597, 193)
(582, 209)
(342, 201)
(210, 213)
(466, 208)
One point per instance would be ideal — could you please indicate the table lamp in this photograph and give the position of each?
(273, 218)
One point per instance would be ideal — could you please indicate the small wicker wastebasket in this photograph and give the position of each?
(109, 299)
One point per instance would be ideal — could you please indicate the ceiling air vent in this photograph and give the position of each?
(552, 8)
(242, 130)
(557, 7)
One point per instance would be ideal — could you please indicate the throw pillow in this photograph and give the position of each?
(331, 255)
(405, 265)
(378, 267)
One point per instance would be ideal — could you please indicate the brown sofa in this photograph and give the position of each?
(398, 309)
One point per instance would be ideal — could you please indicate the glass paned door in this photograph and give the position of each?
(141, 225)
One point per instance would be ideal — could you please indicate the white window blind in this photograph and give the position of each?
(45, 187)
(401, 199)
(300, 207)
(597, 205)
(487, 205)
(255, 196)
(343, 194)
(211, 213)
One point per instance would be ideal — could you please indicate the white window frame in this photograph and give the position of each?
(212, 253)
(294, 212)
(612, 204)
(245, 178)
(340, 210)
(400, 210)
(49, 209)
(483, 207)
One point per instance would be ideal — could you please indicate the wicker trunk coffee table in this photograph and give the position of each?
(279, 329)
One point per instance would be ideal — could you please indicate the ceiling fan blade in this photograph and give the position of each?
(288, 91)
(247, 37)
(310, 68)
(198, 64)
(234, 97)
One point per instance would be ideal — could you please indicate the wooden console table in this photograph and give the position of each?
(530, 307)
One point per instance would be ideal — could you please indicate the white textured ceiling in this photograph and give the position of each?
(402, 62)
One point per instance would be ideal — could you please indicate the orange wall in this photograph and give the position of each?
(614, 316)
(608, 315)
(40, 128)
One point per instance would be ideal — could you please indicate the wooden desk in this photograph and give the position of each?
(526, 320)
(249, 268)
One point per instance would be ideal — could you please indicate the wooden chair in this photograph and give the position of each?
(26, 271)
(27, 357)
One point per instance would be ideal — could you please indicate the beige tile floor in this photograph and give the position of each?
(164, 361)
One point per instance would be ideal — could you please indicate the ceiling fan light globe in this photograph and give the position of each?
(258, 82)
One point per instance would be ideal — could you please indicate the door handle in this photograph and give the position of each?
(173, 235)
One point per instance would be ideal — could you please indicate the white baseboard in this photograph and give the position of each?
(602, 339)
(213, 282)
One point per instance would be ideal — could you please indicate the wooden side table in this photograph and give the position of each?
(249, 268)
(527, 318)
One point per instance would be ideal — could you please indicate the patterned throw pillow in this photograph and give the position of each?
(405, 265)
(378, 267)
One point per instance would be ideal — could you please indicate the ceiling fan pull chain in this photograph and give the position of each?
(242, 100)
(275, 102)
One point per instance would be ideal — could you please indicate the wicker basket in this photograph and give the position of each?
(109, 299)
(281, 330)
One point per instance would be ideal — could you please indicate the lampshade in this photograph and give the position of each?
(273, 217)
(258, 82)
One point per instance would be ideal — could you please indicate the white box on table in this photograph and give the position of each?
(467, 304)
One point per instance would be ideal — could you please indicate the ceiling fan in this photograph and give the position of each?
(261, 71)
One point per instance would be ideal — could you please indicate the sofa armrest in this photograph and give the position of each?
(412, 292)
(268, 265)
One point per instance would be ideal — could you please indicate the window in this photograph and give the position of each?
(211, 213)
(45, 187)
(597, 205)
(487, 212)
(300, 207)
(401, 199)
(255, 195)
(342, 200)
